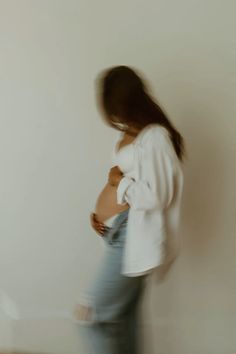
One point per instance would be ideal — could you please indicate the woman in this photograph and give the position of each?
(137, 212)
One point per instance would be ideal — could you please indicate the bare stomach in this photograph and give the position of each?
(106, 205)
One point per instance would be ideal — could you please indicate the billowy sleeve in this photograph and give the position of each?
(154, 187)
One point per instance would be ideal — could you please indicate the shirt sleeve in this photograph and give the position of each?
(154, 187)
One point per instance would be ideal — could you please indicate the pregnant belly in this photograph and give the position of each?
(106, 205)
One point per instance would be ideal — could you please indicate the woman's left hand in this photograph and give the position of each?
(115, 175)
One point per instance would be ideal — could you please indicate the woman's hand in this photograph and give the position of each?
(115, 175)
(98, 226)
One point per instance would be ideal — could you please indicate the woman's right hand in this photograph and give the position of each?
(98, 226)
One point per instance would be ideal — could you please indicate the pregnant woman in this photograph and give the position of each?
(136, 214)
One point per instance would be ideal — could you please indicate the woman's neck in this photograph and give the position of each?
(132, 131)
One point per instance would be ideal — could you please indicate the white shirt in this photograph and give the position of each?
(154, 194)
(124, 158)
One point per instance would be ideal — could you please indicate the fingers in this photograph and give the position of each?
(98, 226)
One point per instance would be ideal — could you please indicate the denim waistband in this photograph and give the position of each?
(122, 216)
(119, 221)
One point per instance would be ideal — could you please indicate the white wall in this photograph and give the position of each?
(54, 153)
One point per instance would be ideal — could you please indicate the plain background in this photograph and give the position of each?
(55, 157)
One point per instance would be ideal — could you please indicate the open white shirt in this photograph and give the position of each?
(154, 196)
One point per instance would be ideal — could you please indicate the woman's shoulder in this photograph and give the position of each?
(154, 134)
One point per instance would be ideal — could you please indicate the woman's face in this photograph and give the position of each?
(131, 129)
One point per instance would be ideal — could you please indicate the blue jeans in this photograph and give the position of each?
(114, 299)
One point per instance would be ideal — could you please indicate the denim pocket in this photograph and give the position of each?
(107, 235)
(118, 236)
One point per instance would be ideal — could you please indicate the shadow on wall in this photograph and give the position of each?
(202, 220)
(203, 198)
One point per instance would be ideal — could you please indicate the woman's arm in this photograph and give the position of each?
(154, 187)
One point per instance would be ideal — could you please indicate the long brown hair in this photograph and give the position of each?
(126, 103)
